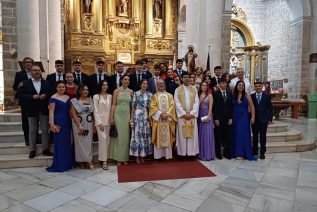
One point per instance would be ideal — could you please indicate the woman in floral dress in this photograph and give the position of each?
(141, 142)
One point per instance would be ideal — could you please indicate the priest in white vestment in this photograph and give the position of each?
(162, 112)
(187, 107)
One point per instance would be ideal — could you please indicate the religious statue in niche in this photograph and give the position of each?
(87, 6)
(157, 9)
(190, 59)
(122, 8)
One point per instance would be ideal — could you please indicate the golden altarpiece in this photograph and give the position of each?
(125, 30)
(245, 53)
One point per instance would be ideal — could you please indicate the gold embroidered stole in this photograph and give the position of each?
(187, 125)
(164, 130)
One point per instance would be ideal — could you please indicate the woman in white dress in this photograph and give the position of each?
(102, 107)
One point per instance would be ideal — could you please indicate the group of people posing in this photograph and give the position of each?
(137, 113)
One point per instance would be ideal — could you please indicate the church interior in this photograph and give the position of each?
(274, 41)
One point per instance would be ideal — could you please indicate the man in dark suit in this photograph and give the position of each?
(152, 81)
(222, 112)
(146, 73)
(21, 76)
(136, 78)
(79, 76)
(179, 69)
(96, 78)
(263, 117)
(215, 80)
(115, 79)
(57, 76)
(35, 93)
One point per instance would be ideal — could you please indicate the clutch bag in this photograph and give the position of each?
(113, 131)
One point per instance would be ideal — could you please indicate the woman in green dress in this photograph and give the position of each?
(120, 116)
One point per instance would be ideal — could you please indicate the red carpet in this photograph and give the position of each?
(162, 171)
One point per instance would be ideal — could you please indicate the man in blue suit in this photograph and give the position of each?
(152, 81)
(263, 117)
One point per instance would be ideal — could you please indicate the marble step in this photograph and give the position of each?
(10, 117)
(290, 135)
(302, 145)
(277, 127)
(22, 160)
(10, 126)
(20, 148)
(11, 137)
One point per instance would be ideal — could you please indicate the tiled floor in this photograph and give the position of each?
(282, 182)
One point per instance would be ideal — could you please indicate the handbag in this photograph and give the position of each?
(113, 131)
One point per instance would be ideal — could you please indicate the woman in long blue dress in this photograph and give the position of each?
(241, 122)
(60, 126)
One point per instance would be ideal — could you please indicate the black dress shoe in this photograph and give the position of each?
(47, 153)
(32, 154)
(262, 156)
(219, 157)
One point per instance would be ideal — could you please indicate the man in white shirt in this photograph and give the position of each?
(35, 93)
(240, 76)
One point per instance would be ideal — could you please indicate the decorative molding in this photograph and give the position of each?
(91, 41)
(239, 13)
(87, 22)
(159, 45)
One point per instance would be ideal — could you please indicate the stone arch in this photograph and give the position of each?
(182, 18)
(298, 8)
(245, 30)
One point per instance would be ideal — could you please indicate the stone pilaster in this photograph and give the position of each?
(225, 42)
(298, 60)
(9, 42)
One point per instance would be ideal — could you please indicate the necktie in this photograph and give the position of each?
(258, 98)
(59, 77)
(78, 78)
(120, 77)
(99, 77)
(139, 78)
(224, 95)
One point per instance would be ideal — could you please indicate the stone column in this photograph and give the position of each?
(192, 23)
(98, 15)
(55, 33)
(168, 18)
(213, 32)
(149, 17)
(28, 29)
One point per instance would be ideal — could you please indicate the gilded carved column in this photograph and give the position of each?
(168, 18)
(149, 17)
(76, 16)
(98, 15)
(112, 8)
(252, 71)
(136, 9)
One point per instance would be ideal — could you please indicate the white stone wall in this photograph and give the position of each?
(256, 13)
(276, 35)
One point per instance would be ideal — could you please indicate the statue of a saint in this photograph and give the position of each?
(87, 6)
(122, 8)
(157, 9)
(190, 58)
